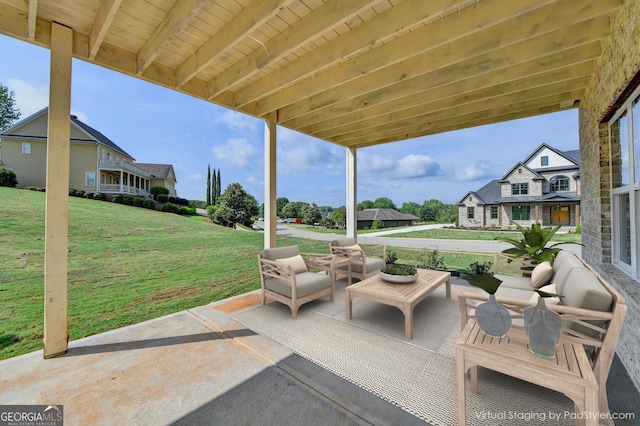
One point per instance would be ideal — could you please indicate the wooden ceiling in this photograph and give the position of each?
(353, 72)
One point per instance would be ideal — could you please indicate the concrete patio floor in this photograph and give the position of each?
(200, 367)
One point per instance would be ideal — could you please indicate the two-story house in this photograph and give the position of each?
(544, 188)
(97, 164)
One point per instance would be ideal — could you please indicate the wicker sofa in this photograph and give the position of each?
(592, 310)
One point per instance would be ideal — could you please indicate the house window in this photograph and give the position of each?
(26, 147)
(544, 160)
(494, 212)
(471, 212)
(519, 188)
(90, 179)
(624, 143)
(559, 183)
(521, 212)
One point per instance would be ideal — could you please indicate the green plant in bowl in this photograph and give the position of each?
(394, 269)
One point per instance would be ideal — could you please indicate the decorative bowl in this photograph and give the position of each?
(398, 279)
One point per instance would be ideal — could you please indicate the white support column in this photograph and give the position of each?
(352, 192)
(57, 193)
(270, 181)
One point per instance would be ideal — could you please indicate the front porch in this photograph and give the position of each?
(206, 366)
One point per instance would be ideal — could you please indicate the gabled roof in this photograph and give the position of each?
(98, 136)
(488, 194)
(573, 156)
(383, 214)
(160, 171)
(92, 134)
(537, 175)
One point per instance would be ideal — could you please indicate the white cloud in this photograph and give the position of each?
(29, 98)
(411, 166)
(237, 122)
(301, 153)
(236, 152)
(478, 170)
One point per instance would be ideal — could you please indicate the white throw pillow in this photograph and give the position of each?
(551, 288)
(296, 262)
(355, 246)
(541, 274)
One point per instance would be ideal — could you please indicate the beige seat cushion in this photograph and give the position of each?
(373, 264)
(511, 281)
(296, 262)
(541, 274)
(307, 283)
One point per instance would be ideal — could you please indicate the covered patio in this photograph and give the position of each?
(357, 74)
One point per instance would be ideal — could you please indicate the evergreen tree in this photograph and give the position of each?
(8, 110)
(214, 185)
(218, 186)
(208, 199)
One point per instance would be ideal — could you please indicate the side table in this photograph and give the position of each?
(569, 373)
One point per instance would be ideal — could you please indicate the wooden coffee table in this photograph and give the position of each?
(403, 296)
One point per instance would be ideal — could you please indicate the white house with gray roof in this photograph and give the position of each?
(543, 188)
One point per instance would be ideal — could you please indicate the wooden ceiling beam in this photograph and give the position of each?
(567, 75)
(510, 104)
(174, 21)
(381, 28)
(101, 24)
(491, 39)
(32, 16)
(448, 127)
(486, 26)
(243, 24)
(432, 88)
(324, 19)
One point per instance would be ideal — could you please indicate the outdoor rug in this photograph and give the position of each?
(418, 375)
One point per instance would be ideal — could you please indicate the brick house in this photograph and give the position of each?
(543, 188)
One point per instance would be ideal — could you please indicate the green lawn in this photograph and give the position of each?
(460, 234)
(127, 265)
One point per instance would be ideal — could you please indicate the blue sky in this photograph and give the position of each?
(158, 125)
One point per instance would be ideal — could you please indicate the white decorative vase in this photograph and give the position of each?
(398, 279)
(543, 327)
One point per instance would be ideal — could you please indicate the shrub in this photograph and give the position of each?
(431, 259)
(8, 178)
(169, 208)
(186, 211)
(172, 200)
(148, 203)
(198, 204)
(88, 195)
(127, 199)
(99, 196)
(480, 268)
(137, 201)
(158, 190)
(72, 192)
(391, 256)
(162, 198)
(118, 198)
(377, 224)
(31, 188)
(578, 229)
(183, 202)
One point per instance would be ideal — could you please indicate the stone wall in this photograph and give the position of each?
(614, 71)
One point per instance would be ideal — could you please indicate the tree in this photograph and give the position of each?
(384, 203)
(208, 198)
(411, 208)
(8, 110)
(366, 204)
(218, 186)
(158, 190)
(8, 178)
(214, 188)
(339, 216)
(312, 215)
(280, 203)
(237, 206)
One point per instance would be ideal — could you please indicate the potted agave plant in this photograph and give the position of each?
(533, 245)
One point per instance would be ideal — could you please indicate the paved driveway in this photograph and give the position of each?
(474, 246)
